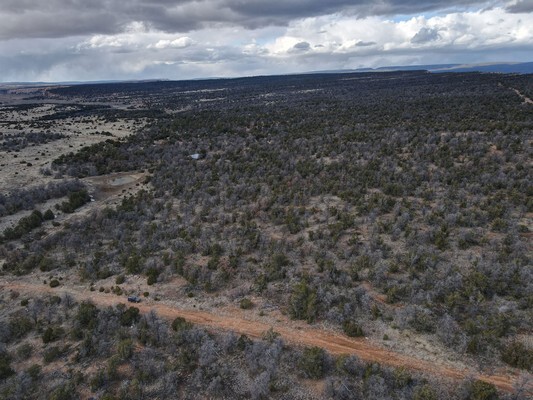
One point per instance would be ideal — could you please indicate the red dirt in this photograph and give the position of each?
(331, 341)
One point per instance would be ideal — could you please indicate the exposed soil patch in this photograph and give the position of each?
(106, 186)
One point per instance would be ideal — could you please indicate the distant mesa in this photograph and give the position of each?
(496, 67)
(492, 67)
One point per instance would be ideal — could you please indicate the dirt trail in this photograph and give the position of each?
(526, 99)
(331, 341)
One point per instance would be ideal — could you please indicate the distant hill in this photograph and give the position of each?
(503, 67)
(15, 85)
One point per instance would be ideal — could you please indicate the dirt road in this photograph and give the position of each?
(331, 341)
(526, 99)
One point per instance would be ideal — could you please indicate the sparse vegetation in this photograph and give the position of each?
(394, 206)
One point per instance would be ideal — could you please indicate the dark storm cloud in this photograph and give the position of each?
(521, 6)
(61, 18)
(364, 44)
(302, 46)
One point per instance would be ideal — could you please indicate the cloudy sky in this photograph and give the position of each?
(64, 40)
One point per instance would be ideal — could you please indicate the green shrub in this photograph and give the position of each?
(179, 263)
(519, 356)
(279, 260)
(213, 263)
(34, 371)
(133, 264)
(63, 392)
(98, 380)
(104, 273)
(402, 377)
(303, 302)
(394, 294)
(499, 225)
(423, 321)
(46, 264)
(480, 390)
(19, 326)
(425, 392)
(86, 315)
(152, 274)
(75, 200)
(24, 226)
(24, 351)
(275, 269)
(312, 362)
(120, 279)
(270, 335)
(54, 283)
(475, 345)
(112, 366)
(243, 342)
(441, 238)
(352, 329)
(52, 354)
(180, 324)
(5, 367)
(125, 349)
(261, 282)
(48, 215)
(246, 304)
(130, 316)
(52, 334)
(375, 311)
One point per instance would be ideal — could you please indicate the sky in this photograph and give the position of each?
(86, 40)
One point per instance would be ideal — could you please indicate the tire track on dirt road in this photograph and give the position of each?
(333, 342)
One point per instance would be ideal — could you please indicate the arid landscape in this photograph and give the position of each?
(343, 236)
(228, 318)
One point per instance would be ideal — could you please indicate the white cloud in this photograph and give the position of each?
(456, 31)
(332, 41)
(178, 43)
